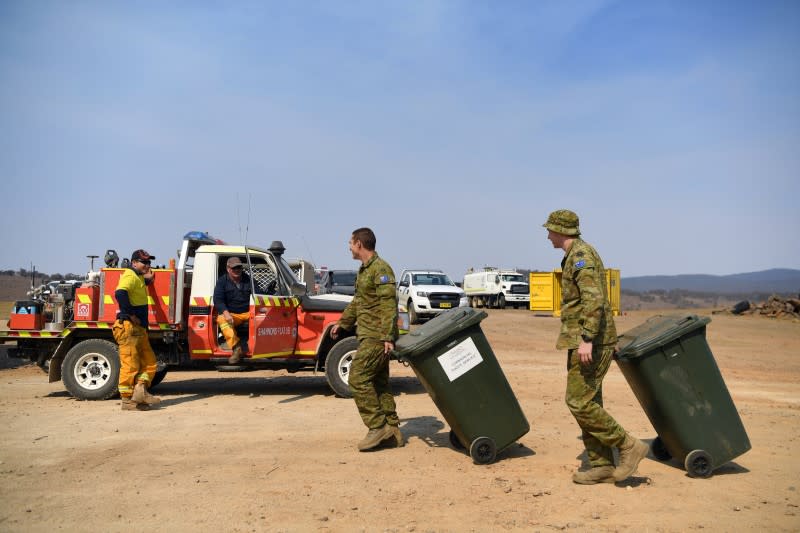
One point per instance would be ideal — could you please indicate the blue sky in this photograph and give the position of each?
(450, 128)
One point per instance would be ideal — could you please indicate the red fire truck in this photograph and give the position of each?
(68, 332)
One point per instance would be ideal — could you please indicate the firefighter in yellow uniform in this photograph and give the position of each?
(136, 357)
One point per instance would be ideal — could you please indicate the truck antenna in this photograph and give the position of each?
(246, 248)
(239, 219)
(311, 255)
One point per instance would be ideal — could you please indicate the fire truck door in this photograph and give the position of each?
(274, 326)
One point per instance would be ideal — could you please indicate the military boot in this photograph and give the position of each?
(130, 405)
(631, 452)
(375, 437)
(141, 396)
(597, 474)
(396, 437)
(236, 356)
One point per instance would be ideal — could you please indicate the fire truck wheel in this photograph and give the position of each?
(90, 370)
(337, 366)
(161, 372)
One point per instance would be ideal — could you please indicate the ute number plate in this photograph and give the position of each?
(445, 305)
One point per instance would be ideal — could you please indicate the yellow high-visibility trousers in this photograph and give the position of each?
(229, 330)
(136, 357)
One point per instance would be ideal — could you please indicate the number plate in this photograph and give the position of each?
(445, 305)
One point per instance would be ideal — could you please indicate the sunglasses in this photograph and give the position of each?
(237, 267)
(144, 262)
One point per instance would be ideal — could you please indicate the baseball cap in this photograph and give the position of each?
(141, 255)
(234, 261)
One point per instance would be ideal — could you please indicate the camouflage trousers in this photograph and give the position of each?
(369, 383)
(584, 398)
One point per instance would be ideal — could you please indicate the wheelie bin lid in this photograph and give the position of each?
(656, 332)
(437, 330)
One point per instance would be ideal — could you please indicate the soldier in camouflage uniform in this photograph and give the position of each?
(589, 336)
(373, 312)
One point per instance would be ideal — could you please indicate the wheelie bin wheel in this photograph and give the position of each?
(698, 463)
(659, 450)
(483, 451)
(455, 442)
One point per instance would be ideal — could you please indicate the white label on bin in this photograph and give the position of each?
(460, 359)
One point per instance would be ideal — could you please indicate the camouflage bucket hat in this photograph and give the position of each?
(563, 221)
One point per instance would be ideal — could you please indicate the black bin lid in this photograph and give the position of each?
(437, 330)
(656, 332)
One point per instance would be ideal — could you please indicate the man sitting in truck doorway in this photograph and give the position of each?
(232, 300)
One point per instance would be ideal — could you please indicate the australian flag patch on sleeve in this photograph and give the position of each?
(580, 264)
(383, 279)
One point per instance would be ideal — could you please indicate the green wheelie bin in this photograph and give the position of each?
(671, 370)
(454, 362)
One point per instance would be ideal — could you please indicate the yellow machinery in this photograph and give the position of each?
(546, 291)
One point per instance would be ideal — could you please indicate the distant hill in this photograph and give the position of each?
(776, 280)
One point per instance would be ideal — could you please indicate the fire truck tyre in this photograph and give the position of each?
(337, 366)
(501, 301)
(413, 318)
(90, 370)
(161, 373)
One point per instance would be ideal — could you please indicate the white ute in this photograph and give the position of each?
(426, 293)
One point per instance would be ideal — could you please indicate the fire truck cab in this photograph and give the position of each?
(288, 329)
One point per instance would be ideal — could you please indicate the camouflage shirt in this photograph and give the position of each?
(374, 307)
(585, 309)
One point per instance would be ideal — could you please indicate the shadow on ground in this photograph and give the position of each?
(297, 387)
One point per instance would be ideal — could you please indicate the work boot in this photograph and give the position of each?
(396, 437)
(236, 356)
(130, 405)
(141, 396)
(375, 437)
(597, 474)
(631, 452)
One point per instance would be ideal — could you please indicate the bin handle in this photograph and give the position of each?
(403, 360)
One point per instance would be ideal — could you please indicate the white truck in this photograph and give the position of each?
(426, 293)
(494, 288)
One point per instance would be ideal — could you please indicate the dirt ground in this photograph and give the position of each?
(267, 451)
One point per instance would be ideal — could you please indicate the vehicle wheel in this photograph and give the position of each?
(90, 370)
(413, 318)
(337, 366)
(659, 450)
(471, 301)
(455, 442)
(698, 463)
(161, 372)
(483, 451)
(501, 301)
